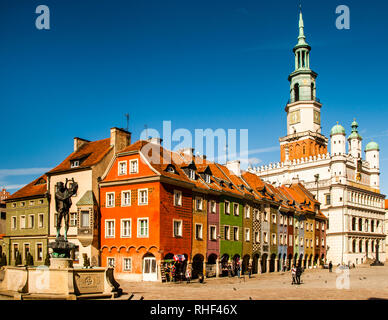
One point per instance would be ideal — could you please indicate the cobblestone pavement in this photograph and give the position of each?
(365, 282)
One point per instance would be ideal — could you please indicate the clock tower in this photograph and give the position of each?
(304, 137)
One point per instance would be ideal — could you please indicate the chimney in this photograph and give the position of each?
(119, 139)
(157, 141)
(78, 143)
(234, 167)
(295, 180)
(187, 151)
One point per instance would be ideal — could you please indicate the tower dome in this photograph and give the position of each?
(372, 146)
(337, 129)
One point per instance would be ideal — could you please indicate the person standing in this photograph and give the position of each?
(298, 274)
(249, 269)
(293, 273)
(330, 267)
(188, 274)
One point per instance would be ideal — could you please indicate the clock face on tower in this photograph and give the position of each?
(317, 117)
(294, 117)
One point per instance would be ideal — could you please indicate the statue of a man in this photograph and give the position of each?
(63, 202)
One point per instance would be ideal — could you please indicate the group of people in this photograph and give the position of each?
(174, 272)
(296, 272)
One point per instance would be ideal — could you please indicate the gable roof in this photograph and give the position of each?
(33, 189)
(89, 154)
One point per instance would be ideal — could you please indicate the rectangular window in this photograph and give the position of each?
(134, 166)
(291, 218)
(73, 219)
(227, 232)
(323, 226)
(109, 228)
(265, 236)
(257, 237)
(212, 233)
(285, 239)
(227, 207)
(75, 163)
(265, 216)
(281, 219)
(273, 238)
(122, 168)
(192, 174)
(22, 204)
(31, 221)
(328, 199)
(125, 198)
(247, 234)
(257, 214)
(26, 249)
(290, 240)
(40, 201)
(317, 241)
(177, 198)
(143, 196)
(323, 242)
(198, 203)
(111, 262)
(178, 228)
(39, 252)
(285, 219)
(85, 221)
(13, 223)
(32, 202)
(235, 234)
(307, 243)
(110, 199)
(281, 239)
(235, 209)
(125, 228)
(22, 222)
(207, 178)
(142, 227)
(15, 250)
(212, 206)
(127, 264)
(274, 218)
(198, 231)
(302, 225)
(247, 212)
(301, 241)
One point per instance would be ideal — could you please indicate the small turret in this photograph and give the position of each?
(338, 140)
(355, 141)
(372, 155)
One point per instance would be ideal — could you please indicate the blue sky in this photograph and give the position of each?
(200, 64)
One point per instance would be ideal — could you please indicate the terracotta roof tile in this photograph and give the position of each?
(89, 154)
(34, 188)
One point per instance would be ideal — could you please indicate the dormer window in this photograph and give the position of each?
(134, 167)
(192, 174)
(122, 168)
(170, 169)
(74, 163)
(207, 178)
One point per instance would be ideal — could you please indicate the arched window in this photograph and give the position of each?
(360, 246)
(296, 92)
(354, 246)
(354, 224)
(312, 91)
(372, 226)
(360, 224)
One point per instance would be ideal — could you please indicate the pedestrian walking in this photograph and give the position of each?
(249, 269)
(330, 267)
(238, 268)
(298, 274)
(293, 273)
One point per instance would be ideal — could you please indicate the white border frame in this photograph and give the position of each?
(106, 199)
(173, 234)
(138, 227)
(130, 228)
(114, 228)
(122, 198)
(138, 197)
(198, 224)
(126, 168)
(130, 166)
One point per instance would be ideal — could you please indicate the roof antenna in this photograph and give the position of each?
(127, 116)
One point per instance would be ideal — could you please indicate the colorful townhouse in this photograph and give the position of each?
(27, 226)
(84, 165)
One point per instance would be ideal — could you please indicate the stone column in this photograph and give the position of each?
(276, 265)
(217, 267)
(259, 265)
(268, 261)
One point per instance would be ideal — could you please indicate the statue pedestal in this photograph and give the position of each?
(61, 263)
(61, 248)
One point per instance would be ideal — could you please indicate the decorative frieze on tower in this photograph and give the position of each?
(304, 136)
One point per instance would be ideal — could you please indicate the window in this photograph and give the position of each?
(85, 221)
(317, 225)
(125, 228)
(235, 233)
(323, 226)
(40, 201)
(227, 207)
(227, 232)
(207, 178)
(290, 240)
(247, 212)
(328, 199)
(281, 219)
(14, 205)
(109, 228)
(127, 264)
(247, 234)
(73, 219)
(110, 199)
(22, 222)
(26, 249)
(178, 228)
(143, 196)
(265, 236)
(317, 241)
(307, 243)
(15, 250)
(302, 225)
(285, 239)
(39, 252)
(198, 231)
(281, 239)
(22, 204)
(235, 209)
(13, 223)
(32, 202)
(31, 221)
(75, 163)
(142, 227)
(177, 198)
(125, 198)
(111, 262)
(256, 214)
(122, 168)
(134, 167)
(323, 242)
(274, 218)
(198, 203)
(265, 216)
(192, 174)
(290, 221)
(273, 238)
(212, 206)
(257, 237)
(301, 241)
(212, 233)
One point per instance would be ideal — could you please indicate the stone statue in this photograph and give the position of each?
(63, 196)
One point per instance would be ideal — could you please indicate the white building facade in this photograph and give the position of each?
(346, 183)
